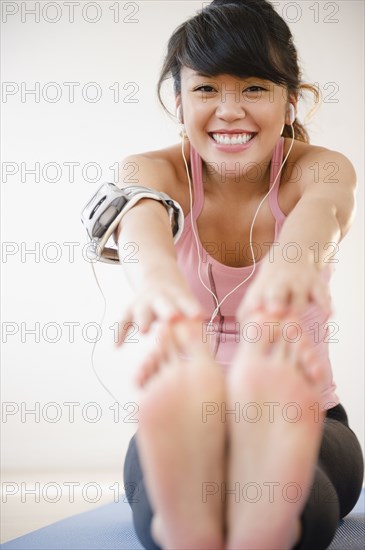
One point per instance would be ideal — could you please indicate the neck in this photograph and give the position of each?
(238, 182)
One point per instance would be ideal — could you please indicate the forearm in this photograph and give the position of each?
(145, 243)
(162, 293)
(309, 234)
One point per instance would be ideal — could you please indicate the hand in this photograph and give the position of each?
(168, 342)
(160, 299)
(282, 287)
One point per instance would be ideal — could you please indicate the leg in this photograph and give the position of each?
(337, 484)
(335, 489)
(137, 496)
(341, 459)
(340, 456)
(320, 516)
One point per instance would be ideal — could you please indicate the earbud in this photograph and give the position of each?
(179, 114)
(292, 114)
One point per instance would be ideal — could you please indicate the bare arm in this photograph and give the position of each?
(324, 214)
(161, 290)
(146, 230)
(319, 221)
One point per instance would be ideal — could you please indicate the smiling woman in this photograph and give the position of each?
(237, 83)
(211, 45)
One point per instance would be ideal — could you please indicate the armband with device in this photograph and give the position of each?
(107, 207)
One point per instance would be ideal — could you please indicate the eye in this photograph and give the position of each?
(202, 87)
(256, 87)
(205, 88)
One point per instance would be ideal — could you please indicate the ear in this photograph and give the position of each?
(290, 115)
(291, 110)
(178, 111)
(177, 100)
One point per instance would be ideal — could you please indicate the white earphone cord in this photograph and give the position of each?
(93, 348)
(253, 221)
(199, 264)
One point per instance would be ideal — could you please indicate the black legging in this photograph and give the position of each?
(335, 491)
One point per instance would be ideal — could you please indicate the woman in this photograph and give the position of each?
(242, 443)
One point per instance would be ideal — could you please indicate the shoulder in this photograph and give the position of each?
(327, 176)
(315, 164)
(159, 169)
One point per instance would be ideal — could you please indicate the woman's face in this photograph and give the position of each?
(252, 107)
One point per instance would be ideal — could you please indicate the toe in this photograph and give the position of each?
(287, 340)
(188, 337)
(260, 332)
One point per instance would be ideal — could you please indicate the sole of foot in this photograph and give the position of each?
(181, 452)
(274, 388)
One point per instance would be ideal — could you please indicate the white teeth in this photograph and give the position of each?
(235, 139)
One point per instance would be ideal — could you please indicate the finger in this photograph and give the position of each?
(300, 350)
(189, 307)
(160, 332)
(188, 336)
(129, 331)
(164, 348)
(309, 358)
(149, 366)
(123, 327)
(164, 308)
(283, 337)
(141, 377)
(143, 317)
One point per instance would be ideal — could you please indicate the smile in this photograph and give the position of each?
(232, 139)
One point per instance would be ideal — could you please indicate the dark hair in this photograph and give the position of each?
(241, 38)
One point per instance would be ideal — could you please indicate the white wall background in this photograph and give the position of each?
(37, 212)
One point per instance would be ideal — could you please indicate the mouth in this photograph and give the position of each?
(232, 139)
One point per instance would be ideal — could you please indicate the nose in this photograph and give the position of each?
(230, 108)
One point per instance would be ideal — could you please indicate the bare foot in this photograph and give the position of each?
(152, 363)
(182, 454)
(274, 439)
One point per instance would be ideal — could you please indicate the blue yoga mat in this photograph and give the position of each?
(110, 528)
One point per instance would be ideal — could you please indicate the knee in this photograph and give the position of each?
(351, 486)
(142, 519)
(132, 471)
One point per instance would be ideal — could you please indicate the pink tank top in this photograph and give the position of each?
(226, 333)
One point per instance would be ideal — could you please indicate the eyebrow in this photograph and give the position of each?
(200, 74)
(197, 74)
